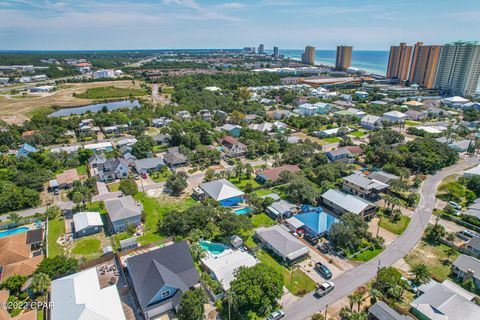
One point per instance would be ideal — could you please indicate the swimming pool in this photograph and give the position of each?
(215, 248)
(12, 231)
(243, 210)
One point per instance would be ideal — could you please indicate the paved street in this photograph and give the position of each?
(354, 278)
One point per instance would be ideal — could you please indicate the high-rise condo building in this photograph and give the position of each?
(308, 56)
(399, 62)
(344, 58)
(424, 65)
(261, 49)
(458, 68)
(275, 52)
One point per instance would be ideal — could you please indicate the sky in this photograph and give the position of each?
(179, 24)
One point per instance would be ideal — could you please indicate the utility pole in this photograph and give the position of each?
(326, 314)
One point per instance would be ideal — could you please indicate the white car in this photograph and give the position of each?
(277, 314)
(324, 288)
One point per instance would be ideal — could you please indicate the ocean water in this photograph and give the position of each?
(372, 61)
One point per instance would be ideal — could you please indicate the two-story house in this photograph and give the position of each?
(112, 169)
(232, 147)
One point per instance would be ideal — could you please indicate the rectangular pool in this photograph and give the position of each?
(6, 233)
(243, 210)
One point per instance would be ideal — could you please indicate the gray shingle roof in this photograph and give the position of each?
(348, 202)
(365, 183)
(122, 208)
(171, 265)
(221, 189)
(467, 263)
(282, 241)
(382, 311)
(148, 164)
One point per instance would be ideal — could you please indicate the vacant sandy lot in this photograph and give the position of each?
(17, 109)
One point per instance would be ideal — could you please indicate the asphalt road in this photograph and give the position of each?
(354, 278)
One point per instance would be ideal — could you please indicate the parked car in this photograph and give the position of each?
(323, 248)
(323, 270)
(312, 239)
(324, 288)
(455, 205)
(467, 235)
(144, 176)
(56, 192)
(277, 314)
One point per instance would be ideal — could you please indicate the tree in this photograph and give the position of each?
(248, 170)
(421, 273)
(209, 175)
(14, 284)
(57, 266)
(177, 182)
(301, 190)
(349, 232)
(77, 198)
(238, 169)
(256, 289)
(192, 305)
(14, 217)
(473, 183)
(128, 186)
(389, 282)
(434, 232)
(143, 147)
(40, 283)
(317, 316)
(52, 212)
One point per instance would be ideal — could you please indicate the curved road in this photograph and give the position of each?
(354, 278)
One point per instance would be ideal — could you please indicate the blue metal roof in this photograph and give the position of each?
(316, 219)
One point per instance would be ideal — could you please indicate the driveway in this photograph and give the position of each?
(352, 279)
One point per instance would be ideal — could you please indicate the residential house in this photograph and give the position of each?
(20, 253)
(467, 267)
(123, 212)
(65, 149)
(440, 302)
(161, 122)
(183, 115)
(222, 267)
(351, 112)
(371, 122)
(173, 158)
(341, 203)
(231, 129)
(222, 191)
(87, 223)
(344, 104)
(307, 109)
(394, 116)
(80, 296)
(473, 209)
(315, 220)
(232, 147)
(205, 114)
(161, 276)
(277, 239)
(383, 176)
(129, 142)
(455, 102)
(361, 94)
(381, 311)
(460, 146)
(249, 118)
(281, 209)
(471, 105)
(148, 165)
(67, 178)
(473, 246)
(162, 139)
(274, 174)
(268, 126)
(416, 115)
(345, 154)
(24, 150)
(332, 132)
(99, 147)
(436, 112)
(363, 186)
(322, 107)
(112, 169)
(282, 114)
(95, 160)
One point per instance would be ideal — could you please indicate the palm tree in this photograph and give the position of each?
(40, 283)
(14, 217)
(421, 273)
(375, 295)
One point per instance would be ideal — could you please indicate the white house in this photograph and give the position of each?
(307, 109)
(371, 122)
(87, 223)
(80, 297)
(361, 94)
(100, 74)
(455, 102)
(394, 116)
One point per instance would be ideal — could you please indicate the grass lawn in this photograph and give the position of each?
(110, 92)
(298, 282)
(96, 206)
(117, 237)
(332, 140)
(56, 228)
(358, 133)
(396, 228)
(367, 255)
(87, 246)
(112, 187)
(261, 220)
(412, 123)
(264, 192)
(242, 183)
(160, 148)
(82, 170)
(434, 257)
(154, 209)
(159, 176)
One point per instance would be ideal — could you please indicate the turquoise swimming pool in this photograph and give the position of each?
(215, 248)
(12, 231)
(243, 210)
